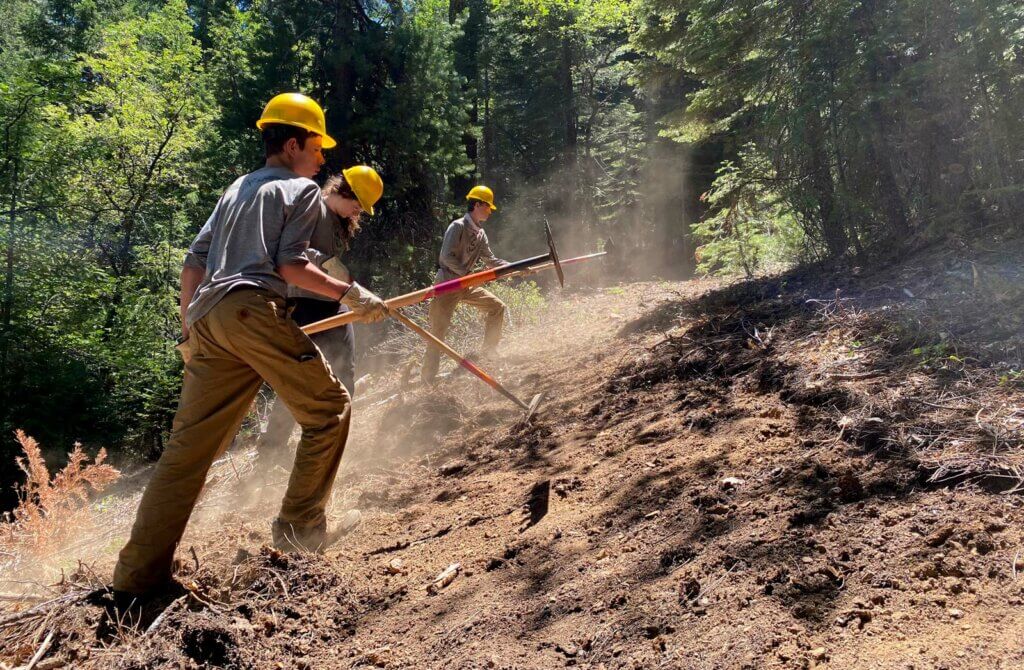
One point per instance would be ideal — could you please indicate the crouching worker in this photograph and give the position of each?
(347, 196)
(233, 287)
(465, 244)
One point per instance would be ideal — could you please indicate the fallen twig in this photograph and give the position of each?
(43, 607)
(163, 615)
(42, 650)
(855, 375)
(937, 406)
(16, 597)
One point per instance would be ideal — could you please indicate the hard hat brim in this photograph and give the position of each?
(367, 207)
(489, 204)
(328, 141)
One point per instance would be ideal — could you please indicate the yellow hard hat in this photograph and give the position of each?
(295, 109)
(482, 193)
(366, 184)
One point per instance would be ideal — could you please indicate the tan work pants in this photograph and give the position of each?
(246, 338)
(443, 307)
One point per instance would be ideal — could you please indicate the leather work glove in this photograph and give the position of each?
(364, 304)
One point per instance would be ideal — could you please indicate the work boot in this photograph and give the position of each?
(314, 539)
(123, 609)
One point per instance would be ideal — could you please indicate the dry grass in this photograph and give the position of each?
(51, 508)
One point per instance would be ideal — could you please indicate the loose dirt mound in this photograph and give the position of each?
(795, 472)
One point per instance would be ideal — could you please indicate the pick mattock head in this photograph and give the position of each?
(554, 255)
(533, 406)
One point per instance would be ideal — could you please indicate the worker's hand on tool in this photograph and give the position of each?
(366, 305)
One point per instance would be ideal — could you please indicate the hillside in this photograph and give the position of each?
(811, 470)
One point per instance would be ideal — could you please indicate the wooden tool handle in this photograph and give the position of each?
(458, 358)
(348, 317)
(426, 334)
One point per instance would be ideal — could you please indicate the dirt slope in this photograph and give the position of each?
(721, 477)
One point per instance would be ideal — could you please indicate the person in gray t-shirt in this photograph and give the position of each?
(238, 334)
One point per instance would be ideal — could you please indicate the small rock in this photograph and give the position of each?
(689, 589)
(396, 566)
(379, 657)
(446, 577)
(730, 483)
(240, 624)
(939, 537)
(955, 613)
(453, 468)
(569, 650)
(818, 653)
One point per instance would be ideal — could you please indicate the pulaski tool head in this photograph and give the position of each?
(533, 407)
(554, 255)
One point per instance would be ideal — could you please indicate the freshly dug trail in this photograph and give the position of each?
(813, 470)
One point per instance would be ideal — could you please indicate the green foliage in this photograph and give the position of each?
(879, 119)
(750, 228)
(523, 299)
(565, 131)
(103, 180)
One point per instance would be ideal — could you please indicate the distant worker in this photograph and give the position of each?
(465, 244)
(347, 195)
(237, 334)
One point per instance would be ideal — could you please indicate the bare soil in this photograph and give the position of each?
(811, 470)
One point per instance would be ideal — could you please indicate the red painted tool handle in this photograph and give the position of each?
(523, 267)
(461, 360)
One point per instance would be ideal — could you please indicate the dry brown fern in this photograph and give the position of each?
(49, 508)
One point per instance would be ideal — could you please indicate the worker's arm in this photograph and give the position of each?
(294, 267)
(488, 257)
(194, 268)
(365, 304)
(448, 257)
(191, 278)
(308, 276)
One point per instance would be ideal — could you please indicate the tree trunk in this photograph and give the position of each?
(570, 159)
(832, 227)
(341, 81)
(881, 74)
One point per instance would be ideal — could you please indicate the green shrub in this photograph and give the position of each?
(750, 228)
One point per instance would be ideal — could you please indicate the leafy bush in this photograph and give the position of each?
(750, 228)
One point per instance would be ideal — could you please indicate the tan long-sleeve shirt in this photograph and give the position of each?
(465, 244)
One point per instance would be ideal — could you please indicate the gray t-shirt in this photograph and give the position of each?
(465, 244)
(324, 244)
(264, 220)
